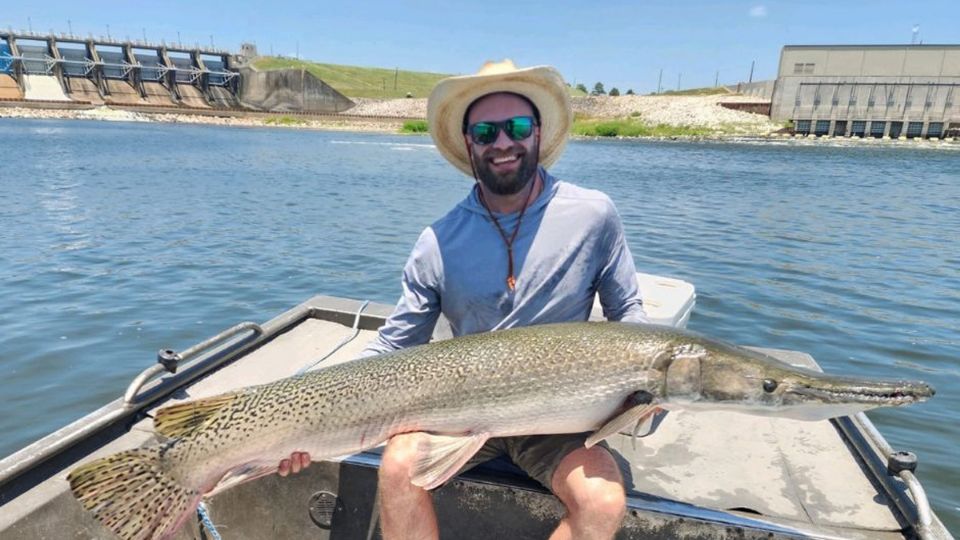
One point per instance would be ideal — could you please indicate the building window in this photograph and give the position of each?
(797, 69)
(823, 128)
(935, 129)
(808, 69)
(877, 128)
(802, 127)
(914, 129)
(840, 128)
(896, 128)
(858, 128)
(891, 99)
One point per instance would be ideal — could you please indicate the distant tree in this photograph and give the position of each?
(581, 87)
(598, 89)
(614, 91)
(630, 92)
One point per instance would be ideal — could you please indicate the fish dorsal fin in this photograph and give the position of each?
(183, 419)
(439, 457)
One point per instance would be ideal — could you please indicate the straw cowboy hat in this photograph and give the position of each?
(542, 85)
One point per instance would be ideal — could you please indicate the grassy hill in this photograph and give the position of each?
(353, 81)
(364, 82)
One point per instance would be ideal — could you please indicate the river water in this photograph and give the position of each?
(120, 239)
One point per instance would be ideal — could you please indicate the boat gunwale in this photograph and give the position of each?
(40, 460)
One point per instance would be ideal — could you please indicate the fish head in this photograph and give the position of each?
(708, 375)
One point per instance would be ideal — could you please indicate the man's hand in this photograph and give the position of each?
(297, 462)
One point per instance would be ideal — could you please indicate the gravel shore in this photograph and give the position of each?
(694, 111)
(118, 115)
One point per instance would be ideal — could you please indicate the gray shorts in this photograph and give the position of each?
(538, 455)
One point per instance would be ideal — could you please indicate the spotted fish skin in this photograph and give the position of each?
(557, 378)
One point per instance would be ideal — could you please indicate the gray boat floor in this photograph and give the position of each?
(797, 474)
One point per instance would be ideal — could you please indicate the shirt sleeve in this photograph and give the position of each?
(418, 309)
(617, 288)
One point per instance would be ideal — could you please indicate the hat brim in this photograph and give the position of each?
(542, 85)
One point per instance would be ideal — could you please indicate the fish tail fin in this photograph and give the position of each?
(131, 494)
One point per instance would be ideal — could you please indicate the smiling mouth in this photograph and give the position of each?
(505, 159)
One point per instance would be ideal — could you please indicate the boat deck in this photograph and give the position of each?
(712, 475)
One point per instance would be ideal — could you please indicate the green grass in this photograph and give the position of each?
(709, 91)
(627, 127)
(284, 121)
(366, 82)
(414, 126)
(630, 127)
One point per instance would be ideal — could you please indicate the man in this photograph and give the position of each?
(523, 248)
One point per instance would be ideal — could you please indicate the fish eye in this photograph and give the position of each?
(769, 385)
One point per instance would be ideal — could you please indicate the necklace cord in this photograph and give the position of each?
(511, 278)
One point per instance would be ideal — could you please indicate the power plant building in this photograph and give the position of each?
(895, 91)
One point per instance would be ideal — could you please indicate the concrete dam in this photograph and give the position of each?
(61, 71)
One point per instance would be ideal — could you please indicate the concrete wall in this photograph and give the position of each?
(289, 90)
(871, 83)
(759, 89)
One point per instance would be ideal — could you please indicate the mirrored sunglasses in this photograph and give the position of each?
(517, 128)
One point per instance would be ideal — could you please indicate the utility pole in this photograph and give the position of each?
(716, 80)
(30, 24)
(751, 71)
(179, 41)
(298, 49)
(144, 34)
(679, 77)
(660, 81)
(108, 33)
(396, 72)
(70, 26)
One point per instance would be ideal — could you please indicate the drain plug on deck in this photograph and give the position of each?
(323, 504)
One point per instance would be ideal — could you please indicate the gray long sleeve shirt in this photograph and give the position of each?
(570, 247)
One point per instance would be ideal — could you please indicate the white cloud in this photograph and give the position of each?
(758, 11)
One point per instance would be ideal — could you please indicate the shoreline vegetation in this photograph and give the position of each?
(689, 117)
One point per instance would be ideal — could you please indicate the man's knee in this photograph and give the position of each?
(588, 482)
(398, 460)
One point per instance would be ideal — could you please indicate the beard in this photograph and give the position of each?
(508, 183)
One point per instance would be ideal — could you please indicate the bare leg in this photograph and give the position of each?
(589, 484)
(406, 511)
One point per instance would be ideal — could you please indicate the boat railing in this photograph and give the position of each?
(869, 444)
(169, 360)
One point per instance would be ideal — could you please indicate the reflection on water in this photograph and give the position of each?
(120, 239)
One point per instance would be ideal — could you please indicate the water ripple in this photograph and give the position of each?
(112, 251)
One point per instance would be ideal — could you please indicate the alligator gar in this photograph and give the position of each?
(558, 378)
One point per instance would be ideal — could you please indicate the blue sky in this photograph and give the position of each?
(620, 43)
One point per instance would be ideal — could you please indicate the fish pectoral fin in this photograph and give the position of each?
(648, 424)
(242, 473)
(439, 457)
(628, 418)
(184, 418)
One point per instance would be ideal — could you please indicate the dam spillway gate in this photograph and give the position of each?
(66, 71)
